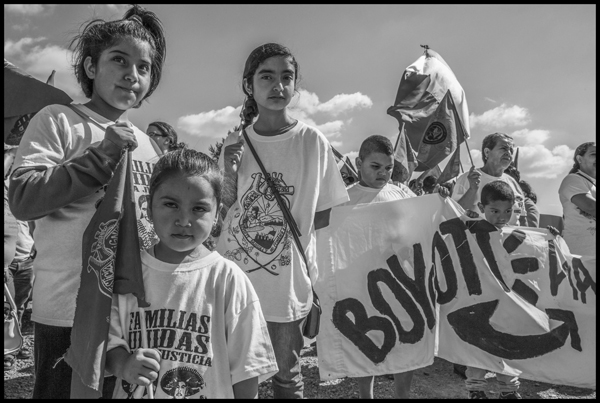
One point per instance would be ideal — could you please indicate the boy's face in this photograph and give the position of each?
(497, 213)
(375, 170)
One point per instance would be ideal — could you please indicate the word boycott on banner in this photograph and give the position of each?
(403, 281)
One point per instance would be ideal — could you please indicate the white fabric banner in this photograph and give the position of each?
(402, 281)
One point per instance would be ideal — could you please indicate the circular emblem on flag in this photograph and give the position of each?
(435, 133)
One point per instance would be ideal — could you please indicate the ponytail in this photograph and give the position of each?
(249, 111)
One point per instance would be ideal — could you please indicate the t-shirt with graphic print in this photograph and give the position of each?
(255, 234)
(579, 227)
(204, 319)
(58, 183)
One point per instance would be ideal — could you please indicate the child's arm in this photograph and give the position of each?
(38, 190)
(246, 389)
(140, 367)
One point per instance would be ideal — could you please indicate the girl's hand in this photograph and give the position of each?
(474, 178)
(552, 230)
(141, 367)
(471, 214)
(118, 136)
(232, 155)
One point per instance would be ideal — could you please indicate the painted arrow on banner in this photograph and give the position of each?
(472, 325)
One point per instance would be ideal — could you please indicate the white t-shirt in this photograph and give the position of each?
(55, 135)
(255, 234)
(360, 194)
(579, 227)
(206, 321)
(462, 185)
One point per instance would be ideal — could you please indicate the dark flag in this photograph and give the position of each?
(422, 87)
(111, 263)
(405, 160)
(346, 168)
(443, 135)
(24, 96)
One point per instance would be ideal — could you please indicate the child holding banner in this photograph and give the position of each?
(66, 157)
(496, 204)
(375, 163)
(207, 334)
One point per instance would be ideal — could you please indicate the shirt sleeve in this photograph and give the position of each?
(45, 182)
(573, 185)
(332, 190)
(533, 214)
(248, 342)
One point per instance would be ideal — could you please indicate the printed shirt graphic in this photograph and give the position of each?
(57, 134)
(206, 321)
(255, 234)
(580, 227)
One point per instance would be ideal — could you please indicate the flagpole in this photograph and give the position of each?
(461, 127)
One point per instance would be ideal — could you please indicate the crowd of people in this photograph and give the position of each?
(245, 302)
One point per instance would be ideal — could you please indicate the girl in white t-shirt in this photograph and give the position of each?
(255, 233)
(207, 334)
(66, 157)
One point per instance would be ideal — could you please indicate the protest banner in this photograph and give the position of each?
(399, 287)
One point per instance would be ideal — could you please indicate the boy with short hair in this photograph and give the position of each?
(375, 163)
(496, 204)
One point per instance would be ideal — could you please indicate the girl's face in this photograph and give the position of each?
(183, 210)
(121, 77)
(273, 83)
(159, 138)
(587, 161)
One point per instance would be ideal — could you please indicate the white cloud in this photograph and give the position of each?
(500, 117)
(345, 102)
(24, 9)
(31, 56)
(489, 99)
(213, 124)
(216, 123)
(530, 137)
(537, 161)
(12, 48)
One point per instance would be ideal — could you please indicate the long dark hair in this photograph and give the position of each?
(99, 35)
(259, 55)
(581, 150)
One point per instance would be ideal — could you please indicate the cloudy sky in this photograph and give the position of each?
(529, 71)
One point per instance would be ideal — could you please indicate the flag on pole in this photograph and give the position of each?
(111, 263)
(346, 168)
(405, 160)
(443, 135)
(452, 168)
(24, 96)
(422, 87)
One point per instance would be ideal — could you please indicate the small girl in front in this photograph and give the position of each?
(207, 336)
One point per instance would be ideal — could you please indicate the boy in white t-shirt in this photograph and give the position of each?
(375, 163)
